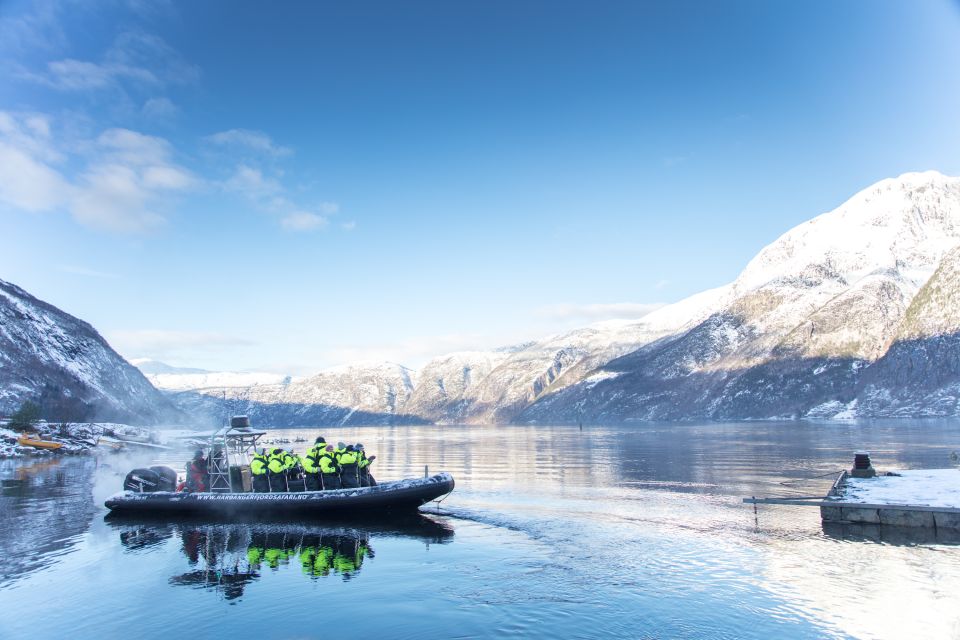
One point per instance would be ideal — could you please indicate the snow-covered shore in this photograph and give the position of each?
(75, 437)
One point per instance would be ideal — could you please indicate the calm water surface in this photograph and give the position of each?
(632, 532)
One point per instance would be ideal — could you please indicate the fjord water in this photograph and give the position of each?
(632, 531)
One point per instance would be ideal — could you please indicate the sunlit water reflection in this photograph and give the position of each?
(553, 531)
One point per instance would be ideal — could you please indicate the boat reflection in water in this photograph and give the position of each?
(227, 557)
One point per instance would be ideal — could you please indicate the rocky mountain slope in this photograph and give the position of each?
(66, 367)
(853, 313)
(360, 394)
(810, 326)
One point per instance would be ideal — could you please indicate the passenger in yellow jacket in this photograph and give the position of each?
(277, 466)
(329, 469)
(366, 478)
(349, 468)
(259, 470)
(311, 470)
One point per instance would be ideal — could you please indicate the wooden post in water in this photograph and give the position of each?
(426, 471)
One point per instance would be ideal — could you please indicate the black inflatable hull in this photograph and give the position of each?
(387, 497)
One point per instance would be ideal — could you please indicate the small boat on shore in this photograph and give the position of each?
(34, 441)
(230, 492)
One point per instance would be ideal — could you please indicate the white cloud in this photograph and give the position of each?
(251, 182)
(167, 177)
(350, 225)
(302, 221)
(29, 133)
(254, 140)
(27, 183)
(128, 175)
(596, 312)
(661, 284)
(160, 344)
(268, 194)
(134, 148)
(112, 197)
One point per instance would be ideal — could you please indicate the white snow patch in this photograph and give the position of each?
(921, 487)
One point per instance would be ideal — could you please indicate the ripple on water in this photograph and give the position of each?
(622, 532)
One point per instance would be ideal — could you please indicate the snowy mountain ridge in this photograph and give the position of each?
(807, 329)
(65, 366)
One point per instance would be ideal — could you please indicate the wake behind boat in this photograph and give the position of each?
(228, 490)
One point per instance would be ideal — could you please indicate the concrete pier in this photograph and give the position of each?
(856, 501)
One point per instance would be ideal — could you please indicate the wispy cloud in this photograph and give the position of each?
(252, 183)
(257, 141)
(160, 344)
(596, 312)
(80, 75)
(268, 194)
(38, 28)
(302, 221)
(161, 108)
(136, 60)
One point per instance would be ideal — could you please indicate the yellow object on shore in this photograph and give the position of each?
(35, 441)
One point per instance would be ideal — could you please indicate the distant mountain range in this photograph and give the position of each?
(855, 313)
(62, 364)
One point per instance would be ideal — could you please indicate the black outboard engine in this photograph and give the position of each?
(142, 481)
(240, 422)
(168, 478)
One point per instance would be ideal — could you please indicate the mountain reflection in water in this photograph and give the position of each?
(227, 557)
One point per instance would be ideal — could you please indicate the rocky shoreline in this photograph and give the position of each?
(75, 438)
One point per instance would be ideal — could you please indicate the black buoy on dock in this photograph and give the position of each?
(861, 466)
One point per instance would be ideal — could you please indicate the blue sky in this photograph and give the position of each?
(288, 186)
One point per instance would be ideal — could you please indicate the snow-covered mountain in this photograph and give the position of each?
(356, 394)
(64, 365)
(169, 378)
(807, 327)
(853, 313)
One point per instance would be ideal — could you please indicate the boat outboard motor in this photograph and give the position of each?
(240, 422)
(142, 481)
(168, 478)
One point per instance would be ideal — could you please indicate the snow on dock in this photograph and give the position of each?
(928, 498)
(920, 487)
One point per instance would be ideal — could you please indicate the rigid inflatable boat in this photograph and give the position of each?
(152, 490)
(386, 497)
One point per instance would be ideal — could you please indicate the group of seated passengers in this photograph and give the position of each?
(323, 467)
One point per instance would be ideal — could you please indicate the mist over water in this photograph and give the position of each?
(629, 532)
